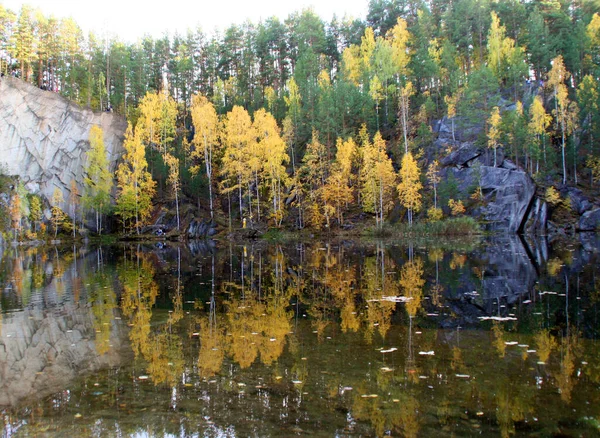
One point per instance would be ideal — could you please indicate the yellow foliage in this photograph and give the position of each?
(434, 214)
(456, 207)
(552, 196)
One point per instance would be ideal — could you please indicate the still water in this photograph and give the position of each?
(341, 338)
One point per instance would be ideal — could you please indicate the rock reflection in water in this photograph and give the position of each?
(56, 328)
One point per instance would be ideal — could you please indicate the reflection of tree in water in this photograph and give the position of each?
(570, 350)
(374, 287)
(436, 255)
(412, 282)
(258, 326)
(162, 349)
(103, 301)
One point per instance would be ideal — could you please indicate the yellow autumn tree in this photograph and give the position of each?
(206, 138)
(565, 111)
(494, 131)
(313, 176)
(538, 123)
(135, 185)
(15, 214)
(377, 178)
(409, 189)
(270, 157)
(174, 180)
(237, 142)
(156, 124)
(58, 215)
(98, 181)
(338, 190)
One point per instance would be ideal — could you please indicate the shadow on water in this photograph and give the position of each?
(328, 338)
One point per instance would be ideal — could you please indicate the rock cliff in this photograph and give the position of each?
(44, 137)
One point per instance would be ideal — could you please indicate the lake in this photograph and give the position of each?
(491, 337)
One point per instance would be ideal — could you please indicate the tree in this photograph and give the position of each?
(98, 180)
(35, 210)
(58, 216)
(135, 187)
(433, 175)
(156, 124)
(410, 186)
(538, 123)
(451, 102)
(206, 138)
(404, 105)
(74, 203)
(22, 47)
(270, 157)
(173, 180)
(377, 177)
(237, 139)
(494, 131)
(588, 98)
(15, 214)
(565, 111)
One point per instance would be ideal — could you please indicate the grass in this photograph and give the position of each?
(452, 227)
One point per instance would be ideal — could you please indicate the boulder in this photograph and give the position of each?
(44, 138)
(590, 220)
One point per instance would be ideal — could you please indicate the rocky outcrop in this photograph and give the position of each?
(44, 137)
(590, 220)
(577, 200)
(201, 229)
(507, 196)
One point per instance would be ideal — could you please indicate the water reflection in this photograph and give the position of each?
(334, 338)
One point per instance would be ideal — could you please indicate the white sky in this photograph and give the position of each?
(132, 19)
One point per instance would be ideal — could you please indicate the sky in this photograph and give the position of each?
(132, 19)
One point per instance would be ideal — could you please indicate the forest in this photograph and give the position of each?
(303, 122)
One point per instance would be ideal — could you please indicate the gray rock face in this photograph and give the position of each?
(537, 218)
(590, 220)
(201, 229)
(44, 137)
(508, 194)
